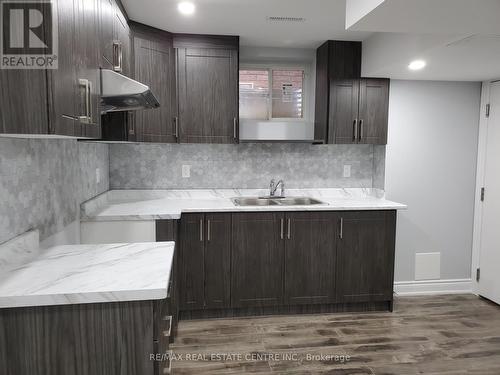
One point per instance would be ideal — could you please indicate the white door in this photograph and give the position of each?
(489, 281)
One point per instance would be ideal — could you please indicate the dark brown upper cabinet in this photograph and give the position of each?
(107, 11)
(373, 113)
(67, 103)
(154, 65)
(114, 38)
(349, 109)
(122, 55)
(20, 88)
(207, 69)
(204, 258)
(74, 108)
(334, 60)
(365, 256)
(358, 111)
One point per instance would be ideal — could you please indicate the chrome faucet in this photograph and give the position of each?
(273, 186)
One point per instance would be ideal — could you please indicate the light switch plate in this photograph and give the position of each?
(97, 175)
(186, 171)
(347, 171)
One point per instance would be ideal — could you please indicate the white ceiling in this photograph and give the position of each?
(459, 39)
(426, 16)
(448, 57)
(324, 19)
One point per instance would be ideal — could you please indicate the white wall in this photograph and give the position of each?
(430, 166)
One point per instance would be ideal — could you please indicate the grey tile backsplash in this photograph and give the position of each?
(379, 166)
(248, 165)
(43, 181)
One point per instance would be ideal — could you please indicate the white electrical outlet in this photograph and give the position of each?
(97, 175)
(186, 171)
(347, 171)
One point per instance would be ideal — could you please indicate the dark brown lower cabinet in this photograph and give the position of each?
(257, 259)
(204, 258)
(192, 249)
(217, 260)
(286, 262)
(117, 338)
(310, 251)
(365, 256)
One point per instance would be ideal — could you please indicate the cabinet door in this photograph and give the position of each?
(208, 95)
(343, 113)
(310, 252)
(18, 87)
(86, 57)
(122, 37)
(65, 88)
(373, 110)
(106, 31)
(365, 256)
(257, 259)
(155, 66)
(192, 262)
(217, 260)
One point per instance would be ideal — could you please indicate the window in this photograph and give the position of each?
(270, 93)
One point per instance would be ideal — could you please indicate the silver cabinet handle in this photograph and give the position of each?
(282, 228)
(168, 332)
(341, 233)
(235, 124)
(176, 123)
(117, 56)
(168, 370)
(360, 130)
(208, 230)
(288, 236)
(86, 84)
(89, 101)
(201, 230)
(355, 129)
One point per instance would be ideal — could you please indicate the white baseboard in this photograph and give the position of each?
(429, 287)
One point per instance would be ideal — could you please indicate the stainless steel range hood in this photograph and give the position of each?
(120, 93)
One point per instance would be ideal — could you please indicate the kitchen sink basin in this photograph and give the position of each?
(253, 201)
(297, 201)
(275, 201)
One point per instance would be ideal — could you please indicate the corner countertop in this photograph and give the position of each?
(118, 205)
(74, 274)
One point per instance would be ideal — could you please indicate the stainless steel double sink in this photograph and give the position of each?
(275, 201)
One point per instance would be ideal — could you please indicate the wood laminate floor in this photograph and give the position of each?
(446, 335)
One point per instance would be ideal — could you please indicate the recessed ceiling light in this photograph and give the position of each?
(417, 65)
(186, 7)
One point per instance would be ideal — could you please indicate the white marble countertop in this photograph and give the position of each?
(75, 274)
(117, 205)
